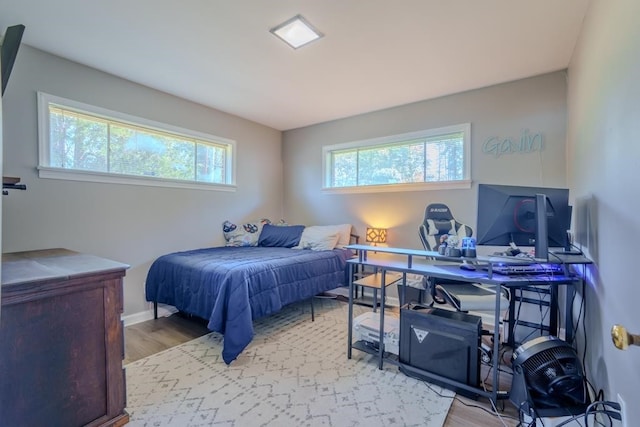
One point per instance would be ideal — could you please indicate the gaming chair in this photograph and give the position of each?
(462, 296)
(438, 222)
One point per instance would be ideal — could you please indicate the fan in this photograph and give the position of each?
(548, 379)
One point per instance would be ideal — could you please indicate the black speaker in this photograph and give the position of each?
(441, 342)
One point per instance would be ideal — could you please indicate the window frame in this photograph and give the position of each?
(45, 170)
(464, 183)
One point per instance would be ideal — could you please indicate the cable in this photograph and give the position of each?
(493, 405)
(592, 409)
(543, 316)
(556, 256)
(574, 326)
(600, 396)
(611, 414)
(516, 321)
(536, 416)
(577, 248)
(456, 398)
(584, 324)
(469, 405)
(501, 354)
(592, 389)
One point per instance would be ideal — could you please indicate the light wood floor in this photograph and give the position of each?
(150, 337)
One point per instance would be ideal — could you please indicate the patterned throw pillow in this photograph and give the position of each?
(243, 234)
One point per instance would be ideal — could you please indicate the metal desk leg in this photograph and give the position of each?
(402, 296)
(383, 285)
(375, 291)
(511, 340)
(496, 346)
(553, 311)
(569, 295)
(350, 321)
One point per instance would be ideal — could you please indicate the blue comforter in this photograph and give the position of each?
(231, 286)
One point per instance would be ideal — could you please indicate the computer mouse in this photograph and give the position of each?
(468, 267)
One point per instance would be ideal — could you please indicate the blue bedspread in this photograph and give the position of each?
(231, 286)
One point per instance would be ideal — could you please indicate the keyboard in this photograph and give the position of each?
(522, 269)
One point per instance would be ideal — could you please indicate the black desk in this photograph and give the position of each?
(434, 265)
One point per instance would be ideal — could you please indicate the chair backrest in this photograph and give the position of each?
(439, 221)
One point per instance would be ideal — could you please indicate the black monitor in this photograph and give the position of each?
(513, 215)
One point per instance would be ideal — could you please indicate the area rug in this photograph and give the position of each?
(294, 373)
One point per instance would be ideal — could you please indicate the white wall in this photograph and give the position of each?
(537, 104)
(130, 224)
(604, 150)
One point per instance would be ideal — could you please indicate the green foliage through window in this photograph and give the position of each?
(422, 157)
(82, 141)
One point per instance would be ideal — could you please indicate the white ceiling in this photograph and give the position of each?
(375, 53)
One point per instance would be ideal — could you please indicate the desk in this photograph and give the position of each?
(432, 264)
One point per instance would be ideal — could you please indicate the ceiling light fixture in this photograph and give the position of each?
(296, 32)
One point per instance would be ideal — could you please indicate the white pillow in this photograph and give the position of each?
(344, 235)
(342, 230)
(319, 236)
(322, 243)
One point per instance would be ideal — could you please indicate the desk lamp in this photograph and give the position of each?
(376, 235)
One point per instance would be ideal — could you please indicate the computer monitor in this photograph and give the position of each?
(514, 215)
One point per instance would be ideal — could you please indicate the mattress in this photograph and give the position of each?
(232, 286)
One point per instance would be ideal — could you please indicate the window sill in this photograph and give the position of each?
(106, 178)
(389, 188)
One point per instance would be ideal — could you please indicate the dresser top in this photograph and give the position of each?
(53, 264)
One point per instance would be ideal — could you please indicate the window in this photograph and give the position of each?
(436, 158)
(82, 142)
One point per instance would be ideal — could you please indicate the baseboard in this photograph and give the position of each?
(143, 316)
(168, 310)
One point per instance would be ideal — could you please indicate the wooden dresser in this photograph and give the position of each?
(61, 340)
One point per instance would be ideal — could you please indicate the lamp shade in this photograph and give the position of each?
(376, 235)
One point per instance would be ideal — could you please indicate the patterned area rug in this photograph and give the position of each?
(294, 373)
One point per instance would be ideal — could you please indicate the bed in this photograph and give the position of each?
(231, 286)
